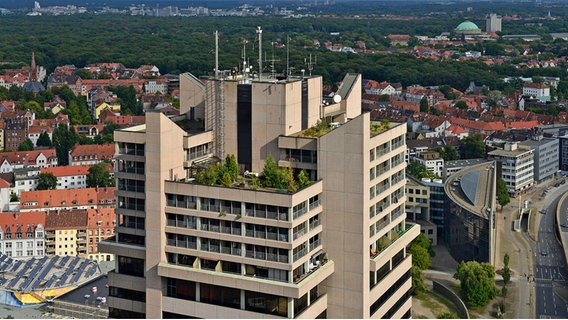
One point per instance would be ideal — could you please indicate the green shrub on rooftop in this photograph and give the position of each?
(320, 128)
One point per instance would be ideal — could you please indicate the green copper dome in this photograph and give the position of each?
(467, 26)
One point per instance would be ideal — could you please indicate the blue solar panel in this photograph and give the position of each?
(65, 260)
(45, 270)
(92, 271)
(80, 272)
(17, 265)
(2, 258)
(32, 275)
(3, 281)
(50, 281)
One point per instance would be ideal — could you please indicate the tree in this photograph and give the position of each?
(303, 179)
(424, 105)
(43, 140)
(502, 193)
(506, 271)
(420, 256)
(227, 181)
(26, 145)
(461, 105)
(417, 280)
(63, 140)
(448, 152)
(99, 176)
(47, 181)
(477, 282)
(472, 147)
(232, 166)
(270, 172)
(418, 170)
(423, 241)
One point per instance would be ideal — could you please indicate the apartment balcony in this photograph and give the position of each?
(81, 240)
(295, 289)
(111, 245)
(393, 245)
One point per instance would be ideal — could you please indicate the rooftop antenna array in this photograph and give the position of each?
(311, 64)
(272, 65)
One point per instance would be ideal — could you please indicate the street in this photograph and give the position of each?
(549, 263)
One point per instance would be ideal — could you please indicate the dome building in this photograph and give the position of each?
(467, 28)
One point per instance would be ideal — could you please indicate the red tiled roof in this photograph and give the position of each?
(536, 85)
(28, 157)
(4, 183)
(104, 151)
(66, 219)
(66, 171)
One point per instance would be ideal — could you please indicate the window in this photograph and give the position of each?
(131, 266)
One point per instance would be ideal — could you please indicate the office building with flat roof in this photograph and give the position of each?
(334, 248)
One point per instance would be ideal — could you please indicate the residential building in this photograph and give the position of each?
(115, 107)
(540, 91)
(22, 235)
(10, 161)
(335, 248)
(35, 131)
(69, 177)
(515, 165)
(25, 179)
(471, 206)
(90, 154)
(4, 195)
(545, 157)
(431, 160)
(66, 232)
(417, 208)
(101, 224)
(158, 85)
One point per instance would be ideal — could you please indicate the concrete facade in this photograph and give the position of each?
(335, 248)
(545, 157)
(515, 165)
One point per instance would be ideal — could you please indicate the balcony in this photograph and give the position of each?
(302, 273)
(397, 242)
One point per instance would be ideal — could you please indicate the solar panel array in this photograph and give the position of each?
(47, 272)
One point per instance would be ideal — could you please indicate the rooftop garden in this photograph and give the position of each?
(380, 126)
(319, 129)
(227, 175)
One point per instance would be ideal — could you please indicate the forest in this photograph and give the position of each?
(182, 44)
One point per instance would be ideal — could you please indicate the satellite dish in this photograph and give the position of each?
(337, 98)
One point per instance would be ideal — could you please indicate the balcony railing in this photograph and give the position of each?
(300, 212)
(314, 205)
(315, 244)
(298, 255)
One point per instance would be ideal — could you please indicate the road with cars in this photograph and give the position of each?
(550, 270)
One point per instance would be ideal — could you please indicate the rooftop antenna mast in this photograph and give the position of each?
(288, 55)
(216, 55)
(259, 32)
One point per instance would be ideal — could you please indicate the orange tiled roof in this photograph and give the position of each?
(44, 199)
(456, 129)
(4, 183)
(66, 171)
(23, 221)
(523, 124)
